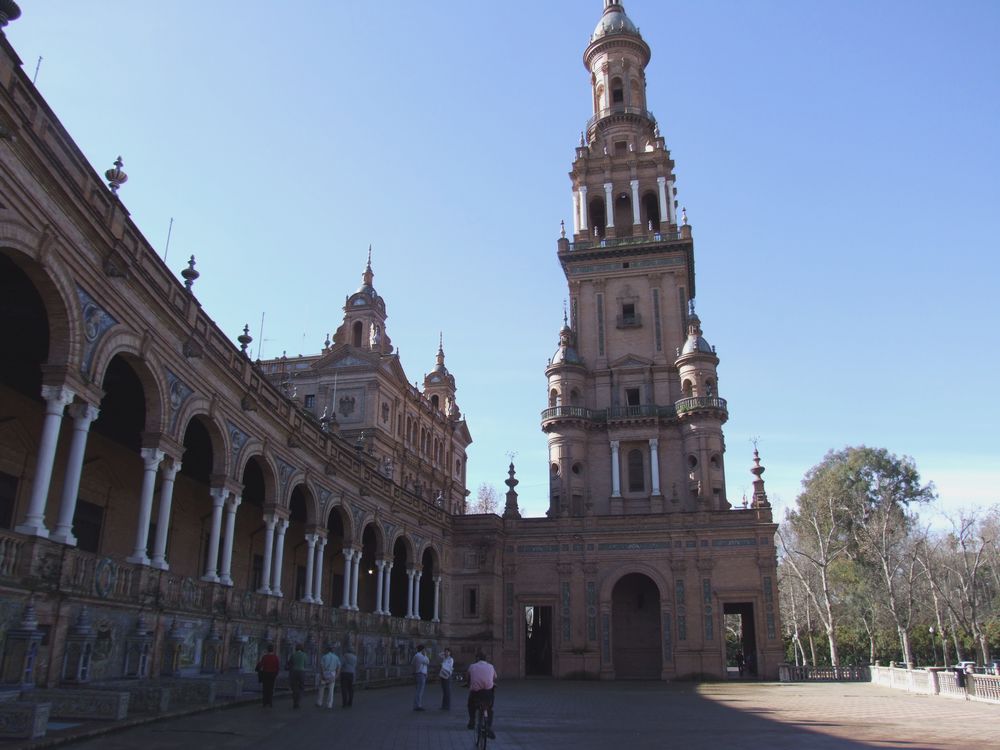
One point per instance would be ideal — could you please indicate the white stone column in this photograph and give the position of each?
(437, 599)
(56, 399)
(83, 415)
(609, 205)
(228, 529)
(654, 464)
(307, 595)
(279, 553)
(636, 220)
(576, 212)
(416, 594)
(616, 481)
(219, 495)
(380, 565)
(169, 474)
(583, 209)
(270, 520)
(671, 208)
(387, 588)
(348, 571)
(410, 574)
(318, 583)
(661, 184)
(151, 458)
(354, 580)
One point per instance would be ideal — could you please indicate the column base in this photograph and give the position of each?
(265, 590)
(210, 578)
(140, 559)
(63, 537)
(225, 580)
(318, 601)
(159, 564)
(32, 529)
(307, 600)
(277, 593)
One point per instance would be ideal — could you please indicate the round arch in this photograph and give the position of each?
(128, 345)
(216, 435)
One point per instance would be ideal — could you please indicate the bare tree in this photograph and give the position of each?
(486, 500)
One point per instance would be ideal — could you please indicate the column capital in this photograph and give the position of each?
(661, 180)
(233, 502)
(583, 189)
(219, 495)
(151, 458)
(282, 525)
(634, 184)
(614, 446)
(311, 539)
(654, 443)
(57, 397)
(270, 520)
(436, 579)
(170, 469)
(84, 414)
(608, 187)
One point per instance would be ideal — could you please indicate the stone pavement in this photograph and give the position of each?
(585, 715)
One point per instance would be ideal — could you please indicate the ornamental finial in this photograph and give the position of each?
(190, 275)
(115, 176)
(245, 338)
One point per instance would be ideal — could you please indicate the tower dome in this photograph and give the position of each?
(613, 21)
(695, 341)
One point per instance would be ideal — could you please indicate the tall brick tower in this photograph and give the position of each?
(634, 417)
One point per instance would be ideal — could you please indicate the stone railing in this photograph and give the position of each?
(949, 683)
(699, 403)
(794, 673)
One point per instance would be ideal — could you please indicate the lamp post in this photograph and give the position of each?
(933, 643)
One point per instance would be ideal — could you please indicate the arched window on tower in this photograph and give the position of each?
(617, 93)
(574, 397)
(623, 215)
(636, 471)
(434, 401)
(687, 388)
(356, 331)
(636, 98)
(554, 398)
(651, 211)
(597, 217)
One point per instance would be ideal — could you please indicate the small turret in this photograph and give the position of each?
(439, 385)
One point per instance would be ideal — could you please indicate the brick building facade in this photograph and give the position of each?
(173, 506)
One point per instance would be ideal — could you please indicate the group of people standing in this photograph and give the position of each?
(482, 678)
(332, 668)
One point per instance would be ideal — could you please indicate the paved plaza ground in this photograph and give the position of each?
(584, 715)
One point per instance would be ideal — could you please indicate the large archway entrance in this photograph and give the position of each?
(635, 605)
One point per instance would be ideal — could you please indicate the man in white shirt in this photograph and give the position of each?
(329, 665)
(420, 662)
(482, 680)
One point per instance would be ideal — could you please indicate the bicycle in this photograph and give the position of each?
(482, 715)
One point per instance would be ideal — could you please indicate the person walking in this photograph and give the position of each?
(447, 667)
(420, 662)
(297, 664)
(267, 668)
(329, 665)
(349, 665)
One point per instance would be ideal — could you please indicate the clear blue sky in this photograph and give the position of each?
(839, 163)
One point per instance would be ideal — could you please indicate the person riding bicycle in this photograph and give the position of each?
(482, 678)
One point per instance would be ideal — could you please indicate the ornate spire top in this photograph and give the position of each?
(368, 275)
(115, 176)
(440, 354)
(190, 275)
(510, 509)
(245, 339)
(759, 495)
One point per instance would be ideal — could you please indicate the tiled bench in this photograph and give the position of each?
(21, 719)
(82, 703)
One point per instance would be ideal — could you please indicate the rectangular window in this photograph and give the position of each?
(600, 325)
(300, 582)
(636, 471)
(87, 522)
(658, 334)
(257, 572)
(8, 494)
(632, 396)
(628, 313)
(310, 401)
(681, 610)
(470, 601)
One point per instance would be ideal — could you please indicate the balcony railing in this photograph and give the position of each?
(639, 411)
(620, 110)
(573, 412)
(629, 321)
(698, 403)
(641, 239)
